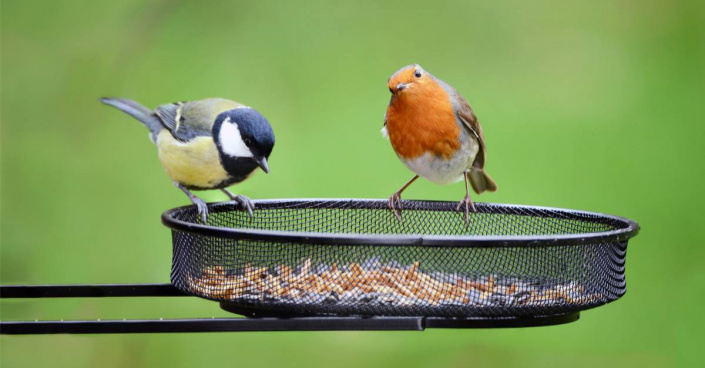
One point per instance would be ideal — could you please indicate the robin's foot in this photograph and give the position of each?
(244, 201)
(468, 206)
(395, 199)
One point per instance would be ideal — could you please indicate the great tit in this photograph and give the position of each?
(206, 144)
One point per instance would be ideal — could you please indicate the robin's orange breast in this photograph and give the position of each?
(421, 120)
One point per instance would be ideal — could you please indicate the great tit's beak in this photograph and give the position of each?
(262, 162)
(402, 86)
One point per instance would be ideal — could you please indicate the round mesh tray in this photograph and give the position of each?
(353, 257)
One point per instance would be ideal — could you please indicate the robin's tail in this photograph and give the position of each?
(481, 181)
(139, 112)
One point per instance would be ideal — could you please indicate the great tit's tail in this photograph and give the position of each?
(139, 112)
(481, 181)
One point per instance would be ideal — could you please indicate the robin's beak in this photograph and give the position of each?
(262, 162)
(402, 86)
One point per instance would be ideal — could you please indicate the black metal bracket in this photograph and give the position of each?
(351, 323)
(88, 291)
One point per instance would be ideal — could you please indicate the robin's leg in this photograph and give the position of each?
(244, 202)
(396, 198)
(200, 204)
(466, 201)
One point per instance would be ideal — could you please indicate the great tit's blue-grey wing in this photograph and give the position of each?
(139, 112)
(187, 120)
(170, 115)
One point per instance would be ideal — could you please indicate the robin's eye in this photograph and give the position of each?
(417, 74)
(391, 90)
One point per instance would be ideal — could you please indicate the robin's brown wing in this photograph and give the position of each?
(479, 178)
(467, 116)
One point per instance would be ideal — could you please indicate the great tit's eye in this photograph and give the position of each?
(417, 73)
(248, 141)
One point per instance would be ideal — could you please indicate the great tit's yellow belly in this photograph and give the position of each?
(194, 164)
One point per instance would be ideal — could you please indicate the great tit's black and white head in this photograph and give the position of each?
(244, 139)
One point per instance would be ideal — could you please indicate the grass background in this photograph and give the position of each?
(593, 105)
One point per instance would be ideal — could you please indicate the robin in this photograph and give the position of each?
(435, 133)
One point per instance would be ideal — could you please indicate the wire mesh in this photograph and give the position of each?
(353, 257)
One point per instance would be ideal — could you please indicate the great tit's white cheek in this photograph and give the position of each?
(231, 141)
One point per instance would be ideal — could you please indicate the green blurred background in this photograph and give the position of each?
(592, 105)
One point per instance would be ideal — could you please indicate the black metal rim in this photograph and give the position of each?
(629, 230)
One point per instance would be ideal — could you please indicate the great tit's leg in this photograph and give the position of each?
(200, 204)
(244, 202)
(396, 198)
(466, 201)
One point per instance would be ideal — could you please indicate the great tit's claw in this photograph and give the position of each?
(202, 208)
(246, 204)
(244, 201)
(198, 202)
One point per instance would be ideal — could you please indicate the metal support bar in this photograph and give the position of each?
(332, 323)
(270, 324)
(88, 291)
(212, 325)
(501, 322)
